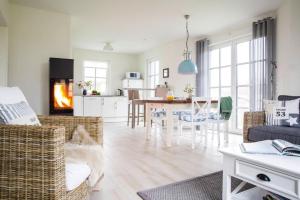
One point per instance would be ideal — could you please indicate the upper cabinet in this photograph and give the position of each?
(133, 83)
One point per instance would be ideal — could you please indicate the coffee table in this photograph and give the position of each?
(274, 173)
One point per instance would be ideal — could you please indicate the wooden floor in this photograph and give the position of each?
(132, 164)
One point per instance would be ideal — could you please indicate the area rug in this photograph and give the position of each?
(208, 187)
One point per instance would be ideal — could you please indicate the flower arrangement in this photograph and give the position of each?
(189, 90)
(84, 84)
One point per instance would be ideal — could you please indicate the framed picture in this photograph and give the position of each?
(166, 73)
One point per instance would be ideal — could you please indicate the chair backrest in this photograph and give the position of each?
(225, 108)
(161, 92)
(200, 107)
(133, 94)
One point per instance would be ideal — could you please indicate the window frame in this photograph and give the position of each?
(107, 78)
(155, 75)
(234, 76)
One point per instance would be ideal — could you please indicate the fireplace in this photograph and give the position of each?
(61, 86)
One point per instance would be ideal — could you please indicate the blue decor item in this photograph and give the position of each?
(187, 66)
(84, 92)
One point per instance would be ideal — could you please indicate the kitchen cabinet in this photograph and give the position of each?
(92, 106)
(133, 83)
(111, 108)
(78, 105)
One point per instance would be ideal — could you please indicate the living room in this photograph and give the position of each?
(148, 99)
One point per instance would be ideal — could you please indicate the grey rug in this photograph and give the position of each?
(208, 187)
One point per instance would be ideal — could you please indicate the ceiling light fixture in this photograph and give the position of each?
(187, 66)
(108, 47)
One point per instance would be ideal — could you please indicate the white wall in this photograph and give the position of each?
(170, 56)
(4, 12)
(34, 36)
(119, 64)
(4, 18)
(288, 48)
(3, 55)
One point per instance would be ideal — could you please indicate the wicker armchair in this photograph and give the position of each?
(32, 164)
(252, 119)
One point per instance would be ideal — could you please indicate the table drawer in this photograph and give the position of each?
(266, 177)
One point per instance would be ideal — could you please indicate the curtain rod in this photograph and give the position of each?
(264, 19)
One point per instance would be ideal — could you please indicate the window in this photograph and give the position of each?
(97, 72)
(243, 81)
(153, 75)
(229, 75)
(220, 72)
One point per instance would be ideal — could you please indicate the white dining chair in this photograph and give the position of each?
(197, 116)
(216, 121)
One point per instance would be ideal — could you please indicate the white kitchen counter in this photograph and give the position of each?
(111, 107)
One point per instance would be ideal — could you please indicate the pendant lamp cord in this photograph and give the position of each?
(187, 36)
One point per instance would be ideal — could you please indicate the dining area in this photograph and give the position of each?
(177, 118)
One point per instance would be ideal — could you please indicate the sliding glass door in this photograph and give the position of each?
(229, 75)
(243, 81)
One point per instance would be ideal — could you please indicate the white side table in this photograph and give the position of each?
(278, 174)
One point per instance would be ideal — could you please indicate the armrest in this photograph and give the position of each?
(32, 164)
(252, 119)
(94, 125)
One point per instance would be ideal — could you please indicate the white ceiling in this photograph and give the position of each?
(134, 26)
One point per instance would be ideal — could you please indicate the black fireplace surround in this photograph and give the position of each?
(61, 75)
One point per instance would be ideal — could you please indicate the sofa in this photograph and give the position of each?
(255, 129)
(32, 162)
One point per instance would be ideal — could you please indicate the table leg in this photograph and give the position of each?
(148, 121)
(138, 114)
(226, 132)
(145, 115)
(226, 193)
(170, 126)
(133, 115)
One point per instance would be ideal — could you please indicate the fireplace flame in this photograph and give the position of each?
(61, 97)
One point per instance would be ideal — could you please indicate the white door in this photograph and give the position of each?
(109, 106)
(92, 106)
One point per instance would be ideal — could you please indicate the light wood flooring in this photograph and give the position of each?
(133, 164)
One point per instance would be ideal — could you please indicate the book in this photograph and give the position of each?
(276, 147)
(286, 148)
(262, 147)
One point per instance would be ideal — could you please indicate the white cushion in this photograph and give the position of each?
(14, 108)
(11, 95)
(76, 174)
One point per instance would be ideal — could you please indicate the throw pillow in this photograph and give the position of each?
(15, 108)
(18, 114)
(292, 108)
(269, 106)
(81, 136)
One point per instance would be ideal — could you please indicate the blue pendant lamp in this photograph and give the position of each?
(187, 66)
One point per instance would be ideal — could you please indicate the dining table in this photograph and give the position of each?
(169, 106)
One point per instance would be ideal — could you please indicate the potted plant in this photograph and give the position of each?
(189, 90)
(95, 92)
(84, 86)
